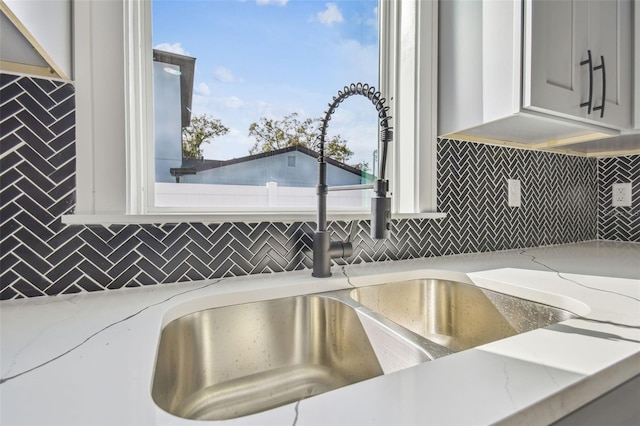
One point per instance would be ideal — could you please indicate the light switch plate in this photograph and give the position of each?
(621, 194)
(514, 192)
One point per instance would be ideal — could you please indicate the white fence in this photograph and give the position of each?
(270, 195)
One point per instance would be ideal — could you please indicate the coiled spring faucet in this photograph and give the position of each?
(323, 248)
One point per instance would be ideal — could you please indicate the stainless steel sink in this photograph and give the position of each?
(232, 361)
(456, 315)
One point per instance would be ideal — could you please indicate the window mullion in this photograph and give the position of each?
(138, 106)
(412, 84)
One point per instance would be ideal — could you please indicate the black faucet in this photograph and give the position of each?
(323, 248)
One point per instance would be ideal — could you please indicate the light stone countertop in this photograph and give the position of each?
(88, 358)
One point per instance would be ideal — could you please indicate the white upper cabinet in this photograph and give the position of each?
(611, 39)
(578, 59)
(518, 71)
(556, 41)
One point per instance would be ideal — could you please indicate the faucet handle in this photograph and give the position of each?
(344, 248)
(353, 230)
(380, 217)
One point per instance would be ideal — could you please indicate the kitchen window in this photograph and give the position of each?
(238, 92)
(115, 114)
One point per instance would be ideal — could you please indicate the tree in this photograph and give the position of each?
(336, 148)
(202, 129)
(290, 131)
(363, 165)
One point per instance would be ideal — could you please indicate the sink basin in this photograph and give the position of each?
(237, 360)
(456, 315)
(232, 361)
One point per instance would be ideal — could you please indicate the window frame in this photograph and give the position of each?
(408, 58)
(409, 63)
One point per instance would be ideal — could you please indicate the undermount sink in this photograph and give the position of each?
(456, 315)
(237, 360)
(232, 361)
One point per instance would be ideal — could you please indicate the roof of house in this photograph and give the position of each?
(202, 165)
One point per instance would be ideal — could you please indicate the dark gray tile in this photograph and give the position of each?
(42, 98)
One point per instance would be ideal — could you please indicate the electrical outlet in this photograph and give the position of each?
(621, 194)
(514, 192)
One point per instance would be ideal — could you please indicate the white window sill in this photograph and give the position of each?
(98, 219)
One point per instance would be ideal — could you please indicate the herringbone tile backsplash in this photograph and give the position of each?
(41, 256)
(618, 223)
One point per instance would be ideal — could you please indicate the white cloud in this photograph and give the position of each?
(234, 144)
(272, 2)
(218, 106)
(202, 89)
(225, 75)
(276, 110)
(172, 48)
(373, 22)
(232, 102)
(330, 15)
(368, 19)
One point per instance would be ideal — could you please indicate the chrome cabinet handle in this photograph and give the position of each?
(589, 62)
(604, 87)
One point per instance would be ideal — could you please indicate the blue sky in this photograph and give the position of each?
(269, 58)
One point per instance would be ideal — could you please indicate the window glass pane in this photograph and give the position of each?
(252, 78)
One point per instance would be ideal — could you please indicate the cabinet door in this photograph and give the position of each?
(610, 39)
(555, 42)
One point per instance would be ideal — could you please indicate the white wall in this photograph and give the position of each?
(100, 107)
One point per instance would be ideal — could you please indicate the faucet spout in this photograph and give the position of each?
(323, 248)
